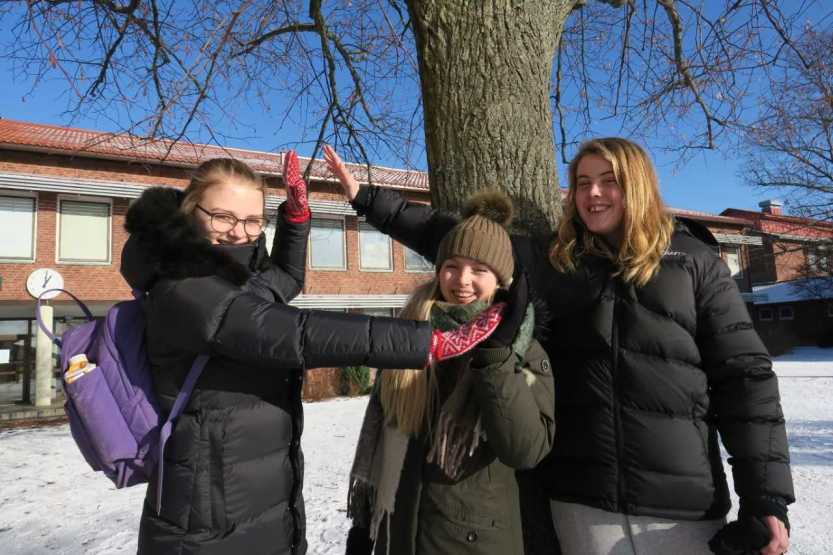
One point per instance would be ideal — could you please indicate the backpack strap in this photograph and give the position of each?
(176, 410)
(43, 327)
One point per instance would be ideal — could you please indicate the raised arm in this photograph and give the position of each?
(285, 277)
(289, 256)
(415, 225)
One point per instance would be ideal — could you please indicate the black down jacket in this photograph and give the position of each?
(233, 467)
(645, 377)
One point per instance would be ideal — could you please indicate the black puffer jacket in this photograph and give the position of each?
(233, 465)
(645, 377)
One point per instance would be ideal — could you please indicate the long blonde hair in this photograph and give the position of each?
(647, 226)
(407, 395)
(215, 172)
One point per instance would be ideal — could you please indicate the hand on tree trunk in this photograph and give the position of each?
(349, 185)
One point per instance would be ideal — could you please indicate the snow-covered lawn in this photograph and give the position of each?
(50, 502)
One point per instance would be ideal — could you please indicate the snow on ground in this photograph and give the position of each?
(51, 502)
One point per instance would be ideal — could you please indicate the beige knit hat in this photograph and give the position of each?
(482, 235)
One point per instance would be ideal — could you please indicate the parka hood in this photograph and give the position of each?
(163, 243)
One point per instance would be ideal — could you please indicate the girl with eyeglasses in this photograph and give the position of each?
(233, 471)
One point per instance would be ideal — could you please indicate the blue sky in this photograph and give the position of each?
(708, 182)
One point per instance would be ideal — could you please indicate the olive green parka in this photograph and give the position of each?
(478, 514)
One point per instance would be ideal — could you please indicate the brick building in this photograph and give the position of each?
(64, 194)
(792, 288)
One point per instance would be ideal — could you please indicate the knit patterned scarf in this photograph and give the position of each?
(381, 449)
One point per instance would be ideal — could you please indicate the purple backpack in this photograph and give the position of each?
(113, 414)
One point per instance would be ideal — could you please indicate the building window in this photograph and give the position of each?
(84, 231)
(818, 259)
(786, 313)
(374, 249)
(326, 244)
(270, 230)
(387, 312)
(765, 314)
(731, 255)
(415, 262)
(17, 228)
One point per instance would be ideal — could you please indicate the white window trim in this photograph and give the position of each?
(405, 262)
(781, 315)
(359, 225)
(32, 195)
(761, 314)
(343, 244)
(733, 250)
(821, 256)
(58, 216)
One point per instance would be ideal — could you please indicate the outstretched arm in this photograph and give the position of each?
(210, 315)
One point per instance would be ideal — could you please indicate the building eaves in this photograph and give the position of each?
(53, 139)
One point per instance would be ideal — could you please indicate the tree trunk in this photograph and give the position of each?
(485, 69)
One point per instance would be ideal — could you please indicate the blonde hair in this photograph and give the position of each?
(647, 226)
(216, 172)
(408, 395)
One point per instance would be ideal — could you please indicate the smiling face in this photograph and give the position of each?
(600, 200)
(465, 280)
(232, 197)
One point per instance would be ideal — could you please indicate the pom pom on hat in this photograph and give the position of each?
(492, 204)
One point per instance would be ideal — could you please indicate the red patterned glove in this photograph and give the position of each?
(297, 208)
(459, 341)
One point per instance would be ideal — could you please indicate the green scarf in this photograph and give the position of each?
(457, 432)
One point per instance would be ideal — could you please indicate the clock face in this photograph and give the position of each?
(42, 280)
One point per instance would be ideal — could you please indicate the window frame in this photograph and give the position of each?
(389, 311)
(819, 259)
(783, 316)
(59, 222)
(736, 250)
(361, 222)
(35, 198)
(341, 219)
(766, 310)
(405, 250)
(273, 216)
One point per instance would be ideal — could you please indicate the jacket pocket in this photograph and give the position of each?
(180, 472)
(441, 535)
(208, 511)
(482, 500)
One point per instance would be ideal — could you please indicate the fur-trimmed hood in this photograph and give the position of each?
(163, 243)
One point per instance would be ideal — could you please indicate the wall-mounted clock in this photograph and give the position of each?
(42, 280)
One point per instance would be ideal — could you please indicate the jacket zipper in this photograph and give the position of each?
(295, 445)
(617, 408)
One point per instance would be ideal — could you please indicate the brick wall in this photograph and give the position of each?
(811, 324)
(104, 282)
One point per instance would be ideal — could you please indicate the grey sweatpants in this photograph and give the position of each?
(584, 530)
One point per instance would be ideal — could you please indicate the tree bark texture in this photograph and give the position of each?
(485, 69)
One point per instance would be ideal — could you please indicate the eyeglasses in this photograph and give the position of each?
(223, 222)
